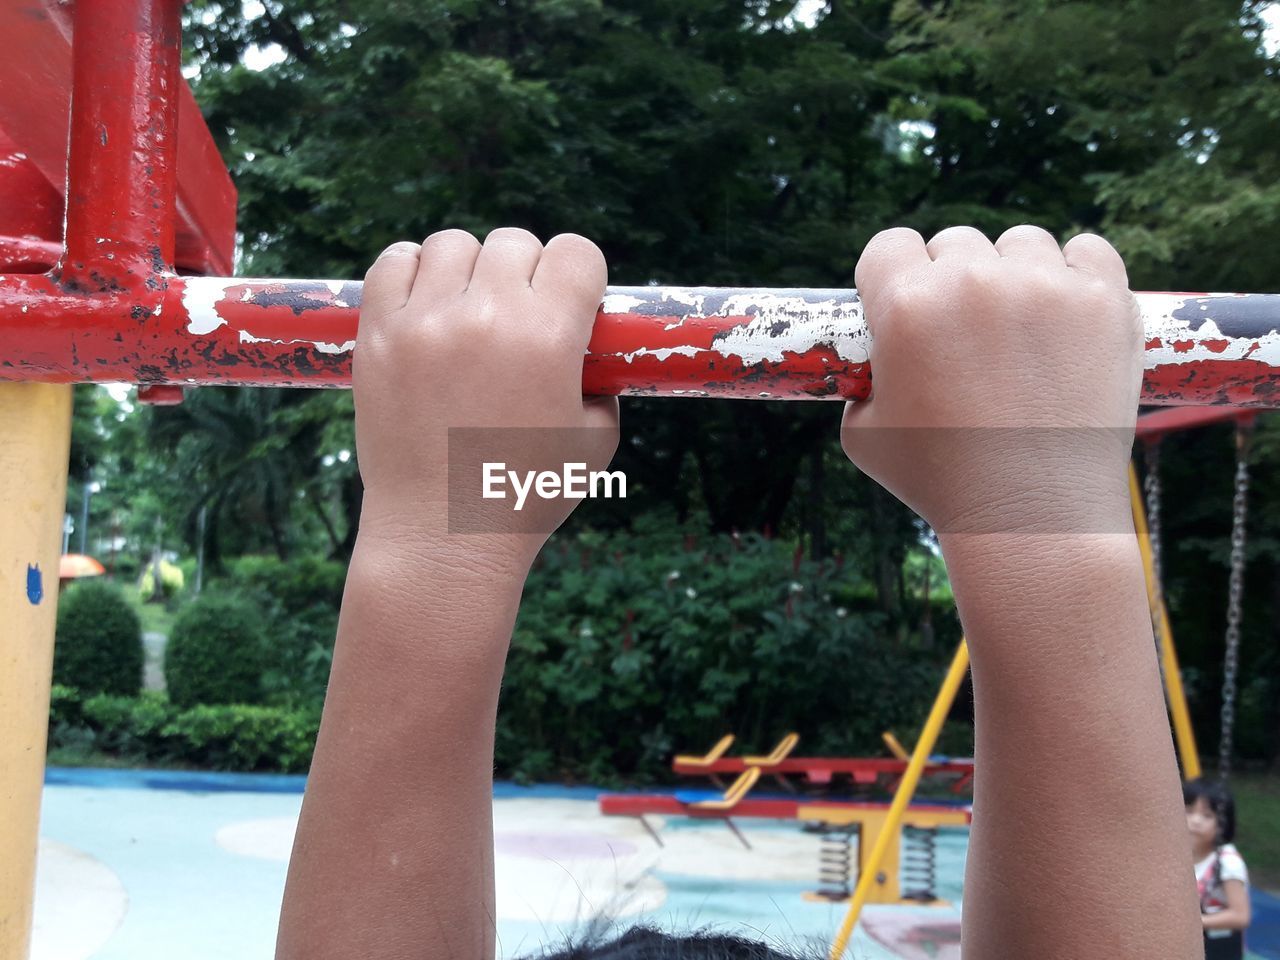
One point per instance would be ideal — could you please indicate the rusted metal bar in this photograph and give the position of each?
(35, 95)
(648, 341)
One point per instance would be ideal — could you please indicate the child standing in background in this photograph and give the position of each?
(1221, 876)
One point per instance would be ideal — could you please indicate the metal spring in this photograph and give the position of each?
(836, 864)
(919, 863)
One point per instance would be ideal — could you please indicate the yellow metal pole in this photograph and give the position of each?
(1175, 693)
(906, 789)
(35, 430)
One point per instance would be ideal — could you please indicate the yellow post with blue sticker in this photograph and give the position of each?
(35, 432)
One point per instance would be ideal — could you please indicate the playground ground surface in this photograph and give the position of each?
(137, 864)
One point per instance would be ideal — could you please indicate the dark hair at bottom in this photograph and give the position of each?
(646, 943)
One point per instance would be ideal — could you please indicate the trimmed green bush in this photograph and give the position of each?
(99, 640)
(150, 730)
(299, 599)
(215, 653)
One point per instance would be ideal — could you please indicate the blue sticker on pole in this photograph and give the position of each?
(35, 583)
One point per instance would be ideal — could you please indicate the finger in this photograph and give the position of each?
(1091, 253)
(856, 425)
(509, 255)
(1027, 242)
(961, 242)
(574, 269)
(445, 265)
(389, 281)
(886, 255)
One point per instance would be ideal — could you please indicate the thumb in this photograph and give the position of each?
(859, 417)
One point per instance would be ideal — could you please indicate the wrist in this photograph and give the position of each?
(396, 530)
(1031, 584)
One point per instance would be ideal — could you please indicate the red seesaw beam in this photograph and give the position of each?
(148, 327)
(768, 808)
(821, 770)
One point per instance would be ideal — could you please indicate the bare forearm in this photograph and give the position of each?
(393, 854)
(1079, 845)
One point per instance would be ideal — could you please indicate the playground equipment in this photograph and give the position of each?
(825, 772)
(909, 847)
(1151, 429)
(106, 293)
(908, 870)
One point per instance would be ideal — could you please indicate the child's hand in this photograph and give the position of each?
(1006, 379)
(456, 335)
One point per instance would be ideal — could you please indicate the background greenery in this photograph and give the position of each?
(706, 142)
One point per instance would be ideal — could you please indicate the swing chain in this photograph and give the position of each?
(1151, 487)
(1235, 596)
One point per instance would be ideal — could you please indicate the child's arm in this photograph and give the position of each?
(393, 856)
(1006, 389)
(1238, 913)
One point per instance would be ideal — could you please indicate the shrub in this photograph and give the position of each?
(297, 584)
(300, 598)
(99, 640)
(150, 729)
(215, 652)
(633, 646)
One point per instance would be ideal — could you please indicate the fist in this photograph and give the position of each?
(470, 353)
(1005, 380)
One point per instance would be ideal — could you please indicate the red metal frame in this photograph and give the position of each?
(36, 92)
(117, 310)
(1154, 425)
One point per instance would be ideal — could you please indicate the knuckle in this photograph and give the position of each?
(1027, 231)
(956, 232)
(452, 237)
(577, 247)
(514, 236)
(899, 304)
(895, 235)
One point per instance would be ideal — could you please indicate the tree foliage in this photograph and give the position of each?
(725, 142)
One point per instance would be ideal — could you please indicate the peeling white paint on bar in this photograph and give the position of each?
(320, 346)
(335, 287)
(1159, 322)
(809, 324)
(834, 323)
(662, 353)
(200, 296)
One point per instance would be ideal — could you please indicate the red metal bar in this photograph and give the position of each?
(35, 96)
(648, 341)
(121, 183)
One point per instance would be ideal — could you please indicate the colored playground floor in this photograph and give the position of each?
(136, 865)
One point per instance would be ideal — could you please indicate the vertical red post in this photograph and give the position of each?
(121, 179)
